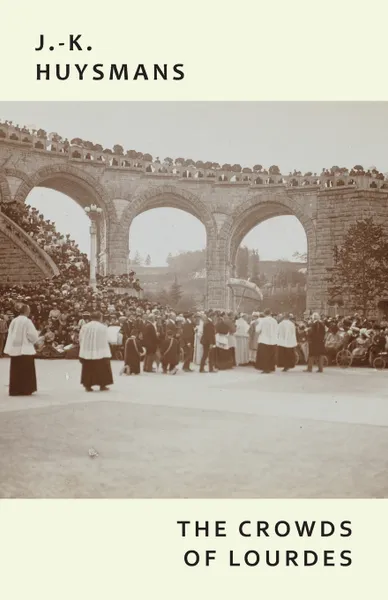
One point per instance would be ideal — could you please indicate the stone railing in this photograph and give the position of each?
(19, 237)
(200, 172)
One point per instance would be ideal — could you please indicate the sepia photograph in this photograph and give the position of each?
(193, 299)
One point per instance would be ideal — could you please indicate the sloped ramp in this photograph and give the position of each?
(22, 260)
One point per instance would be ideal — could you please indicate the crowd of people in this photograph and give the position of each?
(60, 308)
(140, 332)
(65, 252)
(57, 325)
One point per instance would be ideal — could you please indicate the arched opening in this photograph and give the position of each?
(269, 245)
(61, 193)
(61, 227)
(167, 250)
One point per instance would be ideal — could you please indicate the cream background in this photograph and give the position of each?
(247, 50)
(95, 550)
(282, 50)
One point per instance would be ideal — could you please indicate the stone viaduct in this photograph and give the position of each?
(229, 201)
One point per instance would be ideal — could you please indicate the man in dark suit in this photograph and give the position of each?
(187, 342)
(150, 342)
(208, 342)
(316, 338)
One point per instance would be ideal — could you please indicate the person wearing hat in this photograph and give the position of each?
(208, 341)
(150, 341)
(169, 354)
(316, 338)
(187, 342)
(133, 353)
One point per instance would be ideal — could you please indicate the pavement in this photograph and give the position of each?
(232, 434)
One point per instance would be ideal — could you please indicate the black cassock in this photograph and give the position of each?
(96, 372)
(22, 376)
(133, 352)
(286, 357)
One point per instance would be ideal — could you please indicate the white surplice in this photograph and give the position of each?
(22, 336)
(287, 334)
(93, 341)
(267, 328)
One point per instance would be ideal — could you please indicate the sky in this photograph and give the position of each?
(306, 136)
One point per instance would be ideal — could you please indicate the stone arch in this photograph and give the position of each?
(83, 189)
(258, 209)
(173, 197)
(67, 179)
(167, 196)
(5, 192)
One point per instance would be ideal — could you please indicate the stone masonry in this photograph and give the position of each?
(229, 206)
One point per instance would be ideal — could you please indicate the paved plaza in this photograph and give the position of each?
(234, 434)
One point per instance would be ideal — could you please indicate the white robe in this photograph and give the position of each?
(287, 334)
(22, 336)
(267, 328)
(242, 342)
(93, 340)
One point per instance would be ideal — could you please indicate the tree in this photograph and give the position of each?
(175, 293)
(255, 267)
(242, 263)
(274, 170)
(187, 262)
(148, 260)
(187, 303)
(300, 256)
(163, 297)
(360, 271)
(117, 149)
(138, 259)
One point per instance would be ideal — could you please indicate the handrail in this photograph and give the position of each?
(28, 245)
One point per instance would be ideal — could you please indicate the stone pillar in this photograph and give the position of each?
(94, 213)
(93, 255)
(217, 275)
(118, 249)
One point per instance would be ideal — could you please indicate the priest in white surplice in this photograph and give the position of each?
(242, 340)
(267, 330)
(286, 343)
(95, 354)
(22, 336)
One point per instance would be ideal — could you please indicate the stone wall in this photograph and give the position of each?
(15, 266)
(228, 205)
(336, 212)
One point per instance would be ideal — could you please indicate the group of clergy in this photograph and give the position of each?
(274, 344)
